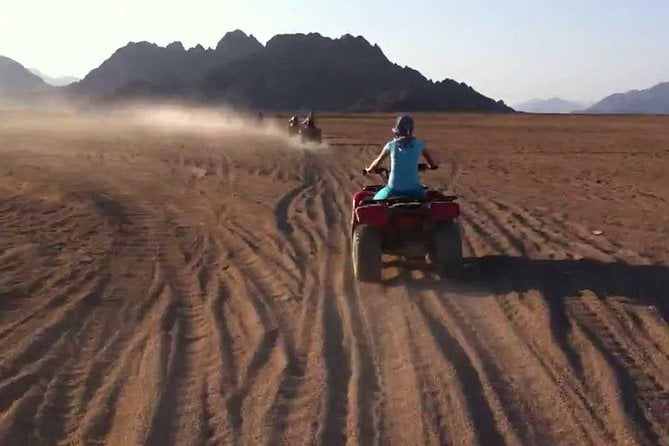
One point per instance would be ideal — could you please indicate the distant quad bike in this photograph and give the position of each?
(412, 228)
(310, 134)
(293, 129)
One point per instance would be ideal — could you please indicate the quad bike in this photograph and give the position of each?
(310, 134)
(412, 228)
(293, 129)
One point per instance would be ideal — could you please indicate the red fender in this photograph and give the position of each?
(361, 195)
(373, 215)
(444, 211)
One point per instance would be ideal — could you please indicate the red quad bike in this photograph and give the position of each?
(412, 228)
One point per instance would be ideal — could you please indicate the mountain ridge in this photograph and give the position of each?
(290, 71)
(147, 62)
(550, 105)
(59, 81)
(17, 80)
(653, 100)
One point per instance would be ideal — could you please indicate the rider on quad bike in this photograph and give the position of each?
(293, 126)
(310, 122)
(404, 218)
(404, 151)
(309, 132)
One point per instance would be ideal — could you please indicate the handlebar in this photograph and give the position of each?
(384, 172)
(379, 170)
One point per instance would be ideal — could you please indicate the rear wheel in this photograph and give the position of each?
(367, 253)
(446, 253)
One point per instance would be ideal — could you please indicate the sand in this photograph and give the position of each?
(194, 285)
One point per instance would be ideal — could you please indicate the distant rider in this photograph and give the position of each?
(310, 122)
(405, 151)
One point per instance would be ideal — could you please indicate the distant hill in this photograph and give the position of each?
(653, 100)
(291, 72)
(552, 105)
(172, 68)
(55, 81)
(17, 81)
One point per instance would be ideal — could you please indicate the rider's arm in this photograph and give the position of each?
(379, 159)
(429, 159)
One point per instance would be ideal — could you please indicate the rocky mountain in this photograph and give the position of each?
(306, 71)
(54, 81)
(552, 105)
(169, 68)
(16, 80)
(315, 72)
(654, 100)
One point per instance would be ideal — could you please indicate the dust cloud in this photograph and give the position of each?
(152, 118)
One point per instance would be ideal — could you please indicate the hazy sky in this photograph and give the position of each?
(508, 49)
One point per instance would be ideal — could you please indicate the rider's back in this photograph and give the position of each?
(404, 159)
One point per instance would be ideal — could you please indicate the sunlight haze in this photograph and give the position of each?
(513, 50)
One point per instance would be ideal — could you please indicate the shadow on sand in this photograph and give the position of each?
(555, 279)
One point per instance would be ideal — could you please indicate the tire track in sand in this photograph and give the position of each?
(654, 390)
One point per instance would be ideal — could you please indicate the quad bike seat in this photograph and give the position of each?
(377, 187)
(400, 199)
(405, 199)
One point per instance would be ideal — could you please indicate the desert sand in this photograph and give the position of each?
(169, 278)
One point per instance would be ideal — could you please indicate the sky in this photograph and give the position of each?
(507, 49)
